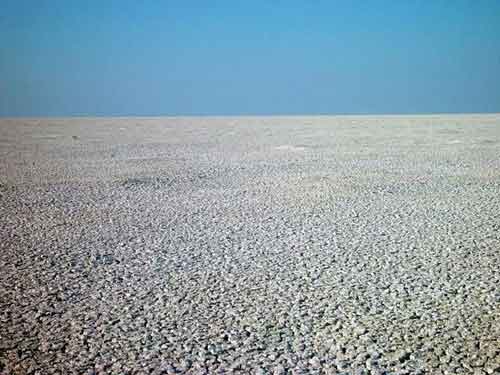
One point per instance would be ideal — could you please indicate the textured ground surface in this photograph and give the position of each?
(250, 245)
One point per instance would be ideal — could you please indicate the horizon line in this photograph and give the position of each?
(395, 114)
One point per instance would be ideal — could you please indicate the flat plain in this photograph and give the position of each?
(280, 245)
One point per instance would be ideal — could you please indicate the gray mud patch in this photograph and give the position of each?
(290, 148)
(5, 188)
(141, 182)
(488, 142)
(449, 131)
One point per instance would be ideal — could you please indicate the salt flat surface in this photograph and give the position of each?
(250, 245)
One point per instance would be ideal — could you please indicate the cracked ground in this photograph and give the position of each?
(261, 245)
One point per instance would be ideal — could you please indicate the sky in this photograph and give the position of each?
(152, 58)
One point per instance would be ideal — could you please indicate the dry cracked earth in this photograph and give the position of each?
(261, 245)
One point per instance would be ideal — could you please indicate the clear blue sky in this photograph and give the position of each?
(98, 57)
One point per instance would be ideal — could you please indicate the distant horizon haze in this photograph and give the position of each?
(222, 116)
(264, 58)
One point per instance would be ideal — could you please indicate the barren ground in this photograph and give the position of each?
(250, 245)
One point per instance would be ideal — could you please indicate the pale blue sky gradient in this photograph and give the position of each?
(98, 57)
